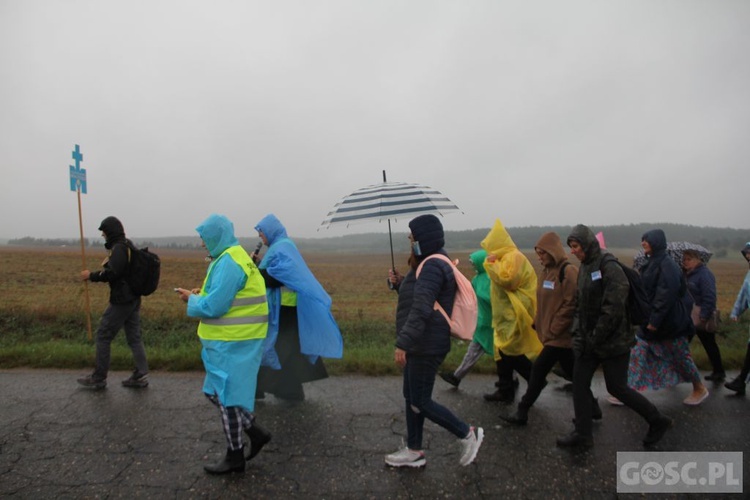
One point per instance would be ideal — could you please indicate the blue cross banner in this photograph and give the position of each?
(77, 174)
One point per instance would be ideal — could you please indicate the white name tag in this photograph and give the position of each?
(596, 275)
(549, 285)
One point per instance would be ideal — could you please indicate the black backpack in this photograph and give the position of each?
(637, 305)
(144, 270)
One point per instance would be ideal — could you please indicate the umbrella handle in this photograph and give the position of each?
(390, 238)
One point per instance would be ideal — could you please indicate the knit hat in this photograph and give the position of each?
(428, 231)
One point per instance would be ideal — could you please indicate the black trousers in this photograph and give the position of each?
(509, 364)
(541, 368)
(712, 349)
(616, 378)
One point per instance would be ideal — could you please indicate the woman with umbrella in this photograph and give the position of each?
(661, 357)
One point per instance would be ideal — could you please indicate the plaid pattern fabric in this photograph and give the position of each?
(234, 419)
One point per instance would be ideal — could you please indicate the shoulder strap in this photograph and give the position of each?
(435, 255)
(562, 271)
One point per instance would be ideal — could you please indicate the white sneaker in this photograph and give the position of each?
(406, 458)
(470, 445)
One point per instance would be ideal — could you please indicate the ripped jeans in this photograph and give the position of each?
(419, 379)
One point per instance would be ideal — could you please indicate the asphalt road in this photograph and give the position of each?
(61, 441)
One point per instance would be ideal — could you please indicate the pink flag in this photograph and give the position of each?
(600, 239)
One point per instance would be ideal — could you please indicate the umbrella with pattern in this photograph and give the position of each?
(386, 201)
(675, 249)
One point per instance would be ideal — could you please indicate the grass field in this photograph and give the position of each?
(43, 310)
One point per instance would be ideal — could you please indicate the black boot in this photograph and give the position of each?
(502, 395)
(259, 437)
(450, 378)
(234, 461)
(520, 417)
(737, 385)
(575, 440)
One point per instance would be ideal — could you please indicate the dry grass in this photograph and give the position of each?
(41, 295)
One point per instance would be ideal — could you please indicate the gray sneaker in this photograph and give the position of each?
(136, 380)
(406, 458)
(92, 383)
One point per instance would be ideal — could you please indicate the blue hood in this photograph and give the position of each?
(272, 228)
(217, 232)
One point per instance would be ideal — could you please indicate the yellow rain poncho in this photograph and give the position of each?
(513, 295)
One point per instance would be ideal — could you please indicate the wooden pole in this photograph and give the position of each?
(83, 268)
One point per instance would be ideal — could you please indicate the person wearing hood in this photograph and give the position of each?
(513, 296)
(741, 305)
(603, 335)
(701, 284)
(556, 304)
(233, 314)
(661, 357)
(301, 327)
(423, 340)
(482, 340)
(123, 311)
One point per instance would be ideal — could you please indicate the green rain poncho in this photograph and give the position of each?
(513, 294)
(483, 335)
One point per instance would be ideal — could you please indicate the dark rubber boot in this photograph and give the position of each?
(259, 437)
(234, 461)
(520, 417)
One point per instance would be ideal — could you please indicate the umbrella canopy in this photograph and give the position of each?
(675, 249)
(389, 200)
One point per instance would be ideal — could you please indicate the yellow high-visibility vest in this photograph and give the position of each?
(288, 297)
(247, 318)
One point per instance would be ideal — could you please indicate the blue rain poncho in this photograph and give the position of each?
(319, 334)
(231, 367)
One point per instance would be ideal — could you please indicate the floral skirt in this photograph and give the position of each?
(661, 364)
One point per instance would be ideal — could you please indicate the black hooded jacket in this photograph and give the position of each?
(665, 289)
(116, 266)
(600, 326)
(421, 330)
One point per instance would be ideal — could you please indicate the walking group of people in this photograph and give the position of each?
(582, 321)
(266, 323)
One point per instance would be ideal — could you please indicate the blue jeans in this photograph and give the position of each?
(419, 379)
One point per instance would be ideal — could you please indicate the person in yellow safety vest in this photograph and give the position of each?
(301, 326)
(233, 314)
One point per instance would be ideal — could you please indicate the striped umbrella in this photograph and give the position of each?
(386, 201)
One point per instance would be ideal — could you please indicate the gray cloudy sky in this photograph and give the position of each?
(537, 113)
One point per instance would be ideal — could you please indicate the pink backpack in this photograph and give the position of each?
(463, 320)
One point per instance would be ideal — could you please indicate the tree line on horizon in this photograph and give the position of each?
(718, 240)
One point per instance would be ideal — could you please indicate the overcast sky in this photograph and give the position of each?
(536, 113)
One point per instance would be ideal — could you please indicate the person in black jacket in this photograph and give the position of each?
(123, 311)
(603, 335)
(661, 357)
(423, 340)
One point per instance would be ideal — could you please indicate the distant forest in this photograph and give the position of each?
(718, 240)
